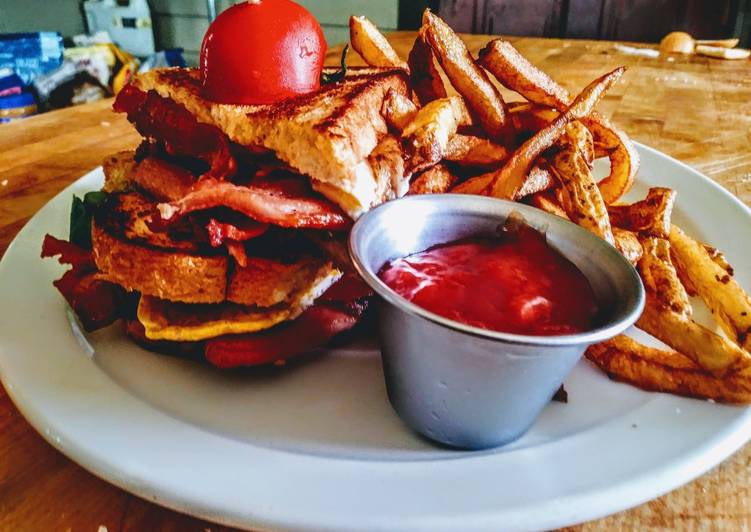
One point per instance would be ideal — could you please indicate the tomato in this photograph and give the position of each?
(262, 51)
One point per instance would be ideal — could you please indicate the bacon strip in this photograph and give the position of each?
(314, 328)
(94, 301)
(237, 251)
(281, 202)
(166, 120)
(349, 288)
(70, 253)
(238, 231)
(162, 179)
(337, 311)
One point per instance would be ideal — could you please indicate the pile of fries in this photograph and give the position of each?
(469, 140)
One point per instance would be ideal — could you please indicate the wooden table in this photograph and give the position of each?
(693, 108)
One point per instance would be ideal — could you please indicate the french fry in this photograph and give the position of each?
(372, 45)
(628, 244)
(398, 110)
(660, 278)
(729, 303)
(710, 350)
(387, 162)
(547, 202)
(650, 216)
(667, 315)
(716, 255)
(435, 180)
(468, 150)
(529, 118)
(510, 179)
(652, 369)
(424, 76)
(624, 159)
(685, 281)
(581, 197)
(467, 78)
(426, 137)
(538, 179)
(719, 258)
(515, 72)
(476, 185)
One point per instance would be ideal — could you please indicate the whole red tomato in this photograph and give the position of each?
(262, 51)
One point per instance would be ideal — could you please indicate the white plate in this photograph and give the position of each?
(317, 446)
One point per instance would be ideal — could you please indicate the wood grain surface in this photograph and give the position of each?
(693, 108)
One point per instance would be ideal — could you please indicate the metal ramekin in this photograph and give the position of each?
(464, 386)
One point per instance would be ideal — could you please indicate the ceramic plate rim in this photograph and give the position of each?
(174, 492)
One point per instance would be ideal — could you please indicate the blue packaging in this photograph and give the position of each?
(17, 106)
(10, 83)
(31, 54)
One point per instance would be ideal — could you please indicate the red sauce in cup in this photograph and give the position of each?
(515, 283)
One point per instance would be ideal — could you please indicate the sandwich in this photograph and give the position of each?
(222, 236)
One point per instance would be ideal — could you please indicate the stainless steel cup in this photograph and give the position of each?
(464, 386)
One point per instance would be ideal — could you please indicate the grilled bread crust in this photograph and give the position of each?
(265, 283)
(188, 277)
(127, 252)
(326, 135)
(166, 274)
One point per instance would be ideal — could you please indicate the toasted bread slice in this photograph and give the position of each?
(166, 320)
(326, 135)
(128, 215)
(265, 282)
(118, 171)
(168, 274)
(127, 252)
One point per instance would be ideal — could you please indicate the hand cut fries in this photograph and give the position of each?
(581, 197)
(650, 216)
(625, 359)
(728, 302)
(423, 74)
(667, 315)
(516, 73)
(538, 179)
(628, 244)
(427, 135)
(719, 258)
(510, 179)
(529, 117)
(387, 163)
(435, 180)
(541, 151)
(372, 45)
(468, 150)
(466, 76)
(660, 278)
(475, 185)
(709, 350)
(547, 202)
(398, 110)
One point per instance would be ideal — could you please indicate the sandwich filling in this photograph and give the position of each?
(326, 136)
(224, 232)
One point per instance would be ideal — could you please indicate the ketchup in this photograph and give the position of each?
(515, 283)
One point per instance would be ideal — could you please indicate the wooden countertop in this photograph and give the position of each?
(693, 108)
